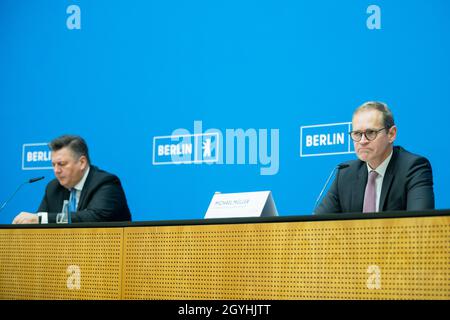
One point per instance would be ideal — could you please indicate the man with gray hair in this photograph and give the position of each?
(385, 177)
(93, 194)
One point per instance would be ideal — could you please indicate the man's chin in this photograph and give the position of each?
(363, 157)
(62, 183)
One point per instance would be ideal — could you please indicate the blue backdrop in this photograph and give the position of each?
(124, 74)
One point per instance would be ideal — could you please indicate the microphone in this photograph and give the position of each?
(35, 179)
(338, 167)
(18, 188)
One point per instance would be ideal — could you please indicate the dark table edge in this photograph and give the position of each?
(246, 220)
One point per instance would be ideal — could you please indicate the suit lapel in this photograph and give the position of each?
(65, 195)
(85, 190)
(387, 180)
(358, 189)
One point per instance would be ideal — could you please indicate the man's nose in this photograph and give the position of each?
(364, 139)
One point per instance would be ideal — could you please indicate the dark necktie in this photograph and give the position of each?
(370, 195)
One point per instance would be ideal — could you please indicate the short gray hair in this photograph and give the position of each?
(388, 117)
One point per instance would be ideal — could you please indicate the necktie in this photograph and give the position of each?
(370, 195)
(72, 202)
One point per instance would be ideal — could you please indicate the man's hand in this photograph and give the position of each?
(26, 217)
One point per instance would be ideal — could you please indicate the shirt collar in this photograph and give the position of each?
(381, 169)
(79, 186)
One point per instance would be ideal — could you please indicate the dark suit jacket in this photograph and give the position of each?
(102, 199)
(407, 185)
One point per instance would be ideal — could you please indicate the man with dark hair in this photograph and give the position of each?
(385, 178)
(92, 194)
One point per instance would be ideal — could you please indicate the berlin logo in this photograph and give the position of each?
(36, 156)
(186, 149)
(234, 146)
(325, 139)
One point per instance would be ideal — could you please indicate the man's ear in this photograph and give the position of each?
(84, 162)
(392, 134)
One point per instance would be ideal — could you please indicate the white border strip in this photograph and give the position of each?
(328, 153)
(23, 156)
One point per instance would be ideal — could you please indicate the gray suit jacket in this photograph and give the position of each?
(407, 185)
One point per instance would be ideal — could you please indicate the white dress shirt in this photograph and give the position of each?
(381, 170)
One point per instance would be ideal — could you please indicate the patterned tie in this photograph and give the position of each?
(370, 196)
(72, 202)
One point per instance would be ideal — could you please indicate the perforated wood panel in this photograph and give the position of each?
(404, 258)
(61, 263)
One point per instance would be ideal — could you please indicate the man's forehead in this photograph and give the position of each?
(62, 154)
(368, 117)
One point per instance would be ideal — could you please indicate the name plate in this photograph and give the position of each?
(244, 204)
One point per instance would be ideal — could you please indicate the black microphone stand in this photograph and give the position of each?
(18, 188)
